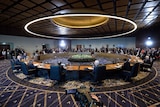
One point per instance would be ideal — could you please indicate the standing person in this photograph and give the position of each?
(12, 53)
(4, 53)
(8, 54)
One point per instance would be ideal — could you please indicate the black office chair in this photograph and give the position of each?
(127, 75)
(28, 72)
(57, 73)
(147, 65)
(99, 74)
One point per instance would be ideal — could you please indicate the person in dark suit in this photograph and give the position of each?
(30, 65)
(96, 63)
(126, 66)
(62, 70)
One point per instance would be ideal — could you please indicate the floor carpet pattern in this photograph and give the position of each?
(24, 94)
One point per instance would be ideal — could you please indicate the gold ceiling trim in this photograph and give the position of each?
(79, 21)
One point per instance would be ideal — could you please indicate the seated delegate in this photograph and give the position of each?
(30, 65)
(126, 65)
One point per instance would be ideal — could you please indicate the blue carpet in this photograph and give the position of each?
(13, 93)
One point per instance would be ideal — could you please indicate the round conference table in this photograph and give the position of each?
(78, 67)
(83, 69)
(133, 60)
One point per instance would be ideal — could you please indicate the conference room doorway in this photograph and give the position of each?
(4, 47)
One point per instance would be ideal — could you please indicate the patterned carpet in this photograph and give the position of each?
(15, 92)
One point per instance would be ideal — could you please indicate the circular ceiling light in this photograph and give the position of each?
(102, 17)
(79, 21)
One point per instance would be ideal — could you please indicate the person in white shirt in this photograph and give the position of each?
(4, 53)
(19, 57)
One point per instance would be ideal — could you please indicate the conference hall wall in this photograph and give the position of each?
(27, 43)
(124, 42)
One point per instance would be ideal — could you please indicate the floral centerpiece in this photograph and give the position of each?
(81, 58)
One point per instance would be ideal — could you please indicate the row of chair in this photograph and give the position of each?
(57, 72)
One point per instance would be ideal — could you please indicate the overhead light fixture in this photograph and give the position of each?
(149, 42)
(62, 43)
(90, 19)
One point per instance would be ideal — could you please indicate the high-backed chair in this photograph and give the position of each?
(14, 66)
(99, 73)
(126, 66)
(27, 71)
(133, 73)
(147, 65)
(56, 73)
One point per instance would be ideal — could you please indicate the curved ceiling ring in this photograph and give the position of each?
(68, 15)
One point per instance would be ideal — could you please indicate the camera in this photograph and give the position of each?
(82, 95)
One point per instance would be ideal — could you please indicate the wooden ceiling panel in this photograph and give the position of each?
(63, 7)
(133, 12)
(6, 2)
(4, 16)
(95, 7)
(2, 6)
(107, 5)
(147, 10)
(26, 14)
(49, 13)
(157, 8)
(122, 8)
(136, 6)
(39, 9)
(20, 7)
(109, 11)
(151, 4)
(49, 6)
(91, 2)
(33, 12)
(14, 10)
(41, 15)
(131, 16)
(138, 21)
(58, 3)
(78, 5)
(72, 1)
(19, 12)
(155, 13)
(9, 13)
(151, 17)
(38, 1)
(122, 14)
(20, 17)
(28, 3)
(137, 1)
(121, 3)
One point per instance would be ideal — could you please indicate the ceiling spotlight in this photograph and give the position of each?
(62, 43)
(149, 42)
(149, 37)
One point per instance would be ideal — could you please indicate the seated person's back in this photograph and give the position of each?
(30, 65)
(147, 60)
(126, 65)
(61, 67)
